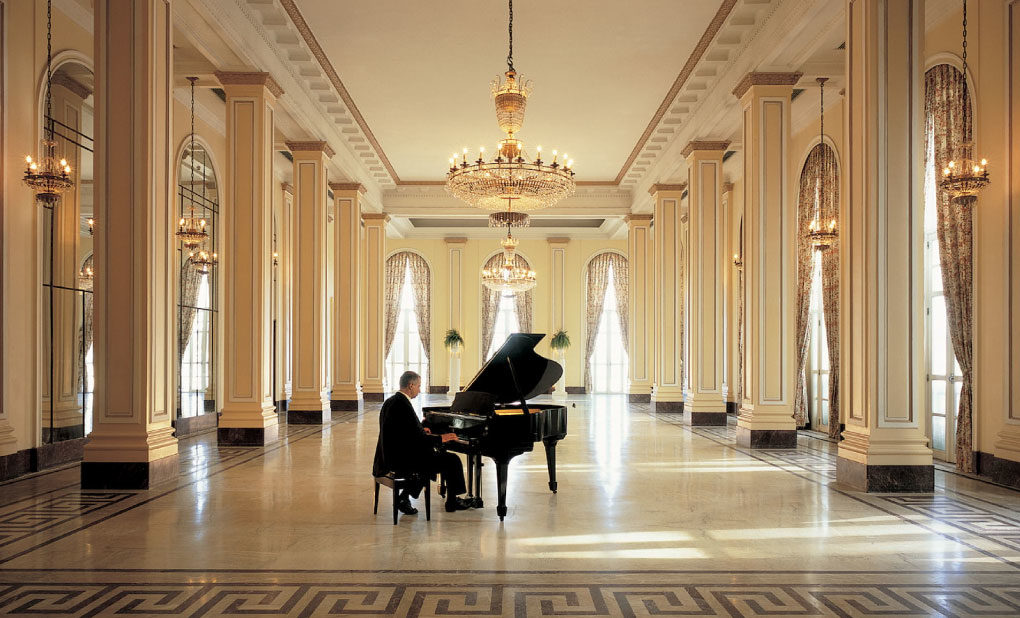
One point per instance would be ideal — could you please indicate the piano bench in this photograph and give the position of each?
(398, 483)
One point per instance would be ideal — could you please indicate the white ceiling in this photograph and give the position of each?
(419, 72)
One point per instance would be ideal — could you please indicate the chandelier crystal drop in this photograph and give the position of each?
(509, 218)
(821, 236)
(965, 176)
(511, 175)
(49, 175)
(508, 277)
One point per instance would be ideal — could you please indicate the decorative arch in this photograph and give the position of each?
(523, 302)
(67, 56)
(818, 196)
(595, 280)
(421, 282)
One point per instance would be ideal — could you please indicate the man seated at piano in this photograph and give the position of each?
(406, 448)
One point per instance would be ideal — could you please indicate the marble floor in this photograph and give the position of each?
(651, 518)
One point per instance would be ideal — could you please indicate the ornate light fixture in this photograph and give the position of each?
(821, 236)
(276, 258)
(965, 176)
(92, 226)
(202, 260)
(509, 217)
(510, 177)
(191, 229)
(48, 176)
(86, 274)
(509, 277)
(738, 262)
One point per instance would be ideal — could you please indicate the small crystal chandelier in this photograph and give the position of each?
(48, 176)
(191, 229)
(202, 260)
(964, 177)
(821, 237)
(509, 277)
(86, 274)
(527, 184)
(92, 226)
(738, 262)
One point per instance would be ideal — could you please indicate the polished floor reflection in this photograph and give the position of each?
(651, 517)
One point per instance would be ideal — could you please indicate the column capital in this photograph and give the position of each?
(348, 186)
(456, 240)
(314, 146)
(287, 187)
(637, 219)
(375, 216)
(250, 78)
(557, 240)
(718, 146)
(727, 186)
(663, 188)
(756, 78)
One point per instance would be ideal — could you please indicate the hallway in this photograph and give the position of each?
(651, 516)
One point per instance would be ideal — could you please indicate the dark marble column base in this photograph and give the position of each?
(438, 390)
(59, 434)
(307, 417)
(639, 398)
(373, 396)
(129, 474)
(576, 390)
(1002, 471)
(669, 406)
(49, 455)
(885, 479)
(705, 419)
(766, 438)
(247, 436)
(343, 405)
(15, 464)
(281, 405)
(187, 426)
(733, 407)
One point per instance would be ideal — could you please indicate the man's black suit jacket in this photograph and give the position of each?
(403, 445)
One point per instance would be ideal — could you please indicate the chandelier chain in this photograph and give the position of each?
(510, 32)
(192, 165)
(965, 41)
(49, 68)
(821, 115)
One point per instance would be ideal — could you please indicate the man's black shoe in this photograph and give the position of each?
(404, 506)
(457, 504)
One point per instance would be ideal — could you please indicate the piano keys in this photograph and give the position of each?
(492, 417)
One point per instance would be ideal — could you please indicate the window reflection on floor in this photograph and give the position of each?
(609, 431)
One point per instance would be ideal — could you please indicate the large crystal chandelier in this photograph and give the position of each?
(48, 176)
(964, 176)
(191, 228)
(821, 236)
(511, 177)
(508, 277)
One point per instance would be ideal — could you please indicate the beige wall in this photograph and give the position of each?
(476, 252)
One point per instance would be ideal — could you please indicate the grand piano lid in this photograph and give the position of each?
(535, 373)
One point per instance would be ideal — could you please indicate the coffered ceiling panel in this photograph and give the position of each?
(419, 72)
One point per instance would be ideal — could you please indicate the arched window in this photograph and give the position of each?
(504, 313)
(948, 269)
(197, 297)
(818, 296)
(408, 317)
(607, 283)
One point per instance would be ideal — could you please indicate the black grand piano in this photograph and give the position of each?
(492, 416)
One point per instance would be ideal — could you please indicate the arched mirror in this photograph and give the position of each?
(67, 266)
(197, 294)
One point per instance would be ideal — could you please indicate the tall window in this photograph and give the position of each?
(818, 352)
(609, 360)
(406, 352)
(197, 294)
(506, 322)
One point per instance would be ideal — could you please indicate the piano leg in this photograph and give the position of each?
(470, 476)
(501, 470)
(478, 480)
(550, 461)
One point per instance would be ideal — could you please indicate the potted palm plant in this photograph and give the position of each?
(559, 343)
(454, 344)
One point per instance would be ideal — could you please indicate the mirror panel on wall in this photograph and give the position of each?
(67, 265)
(197, 298)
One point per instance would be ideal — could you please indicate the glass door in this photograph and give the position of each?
(944, 373)
(818, 354)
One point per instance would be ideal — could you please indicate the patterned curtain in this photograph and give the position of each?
(818, 193)
(947, 108)
(85, 334)
(490, 306)
(523, 301)
(621, 283)
(393, 285)
(740, 319)
(191, 279)
(830, 284)
(421, 286)
(597, 282)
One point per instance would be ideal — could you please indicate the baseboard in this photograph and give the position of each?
(576, 390)
(1002, 471)
(41, 457)
(189, 426)
(438, 390)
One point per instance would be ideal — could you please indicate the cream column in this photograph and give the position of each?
(703, 400)
(347, 296)
(68, 97)
(309, 400)
(248, 415)
(455, 247)
(132, 445)
(558, 286)
(668, 247)
(641, 326)
(730, 282)
(884, 448)
(282, 263)
(770, 267)
(373, 255)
